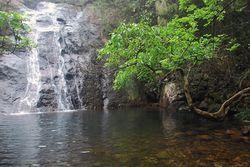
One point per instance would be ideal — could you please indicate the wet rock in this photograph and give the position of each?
(204, 137)
(203, 105)
(169, 94)
(245, 131)
(245, 138)
(44, 21)
(236, 135)
(219, 133)
(184, 108)
(213, 107)
(12, 81)
(233, 132)
(47, 98)
(60, 20)
(238, 159)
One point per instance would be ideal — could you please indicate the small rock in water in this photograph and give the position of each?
(85, 152)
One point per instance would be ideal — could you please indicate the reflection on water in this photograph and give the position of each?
(131, 137)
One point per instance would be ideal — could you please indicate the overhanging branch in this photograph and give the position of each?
(223, 111)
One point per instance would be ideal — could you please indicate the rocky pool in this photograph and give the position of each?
(128, 137)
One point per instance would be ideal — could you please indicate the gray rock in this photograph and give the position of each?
(12, 81)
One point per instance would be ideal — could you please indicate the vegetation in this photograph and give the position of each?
(112, 12)
(244, 114)
(12, 32)
(148, 53)
(143, 51)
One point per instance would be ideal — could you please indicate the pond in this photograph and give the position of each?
(129, 137)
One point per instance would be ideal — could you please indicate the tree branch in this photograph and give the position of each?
(223, 111)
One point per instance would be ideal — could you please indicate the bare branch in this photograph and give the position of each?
(223, 111)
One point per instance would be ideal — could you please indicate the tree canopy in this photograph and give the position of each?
(148, 52)
(12, 32)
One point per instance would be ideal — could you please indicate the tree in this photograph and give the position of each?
(112, 12)
(149, 53)
(12, 32)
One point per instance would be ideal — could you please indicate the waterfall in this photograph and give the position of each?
(45, 77)
(33, 72)
(61, 72)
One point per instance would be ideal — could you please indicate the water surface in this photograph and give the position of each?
(129, 137)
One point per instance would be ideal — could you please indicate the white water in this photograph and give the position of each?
(34, 74)
(33, 71)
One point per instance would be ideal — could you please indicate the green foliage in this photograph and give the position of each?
(233, 45)
(132, 50)
(148, 52)
(12, 32)
(244, 114)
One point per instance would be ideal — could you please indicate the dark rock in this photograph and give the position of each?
(204, 137)
(233, 132)
(61, 20)
(213, 107)
(184, 108)
(245, 131)
(203, 105)
(44, 21)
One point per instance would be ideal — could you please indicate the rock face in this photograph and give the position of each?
(61, 73)
(211, 84)
(13, 81)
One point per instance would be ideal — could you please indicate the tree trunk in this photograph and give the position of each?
(223, 111)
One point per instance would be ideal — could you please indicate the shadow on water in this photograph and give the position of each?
(129, 137)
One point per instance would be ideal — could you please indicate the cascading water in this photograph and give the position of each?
(33, 72)
(54, 71)
(61, 72)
